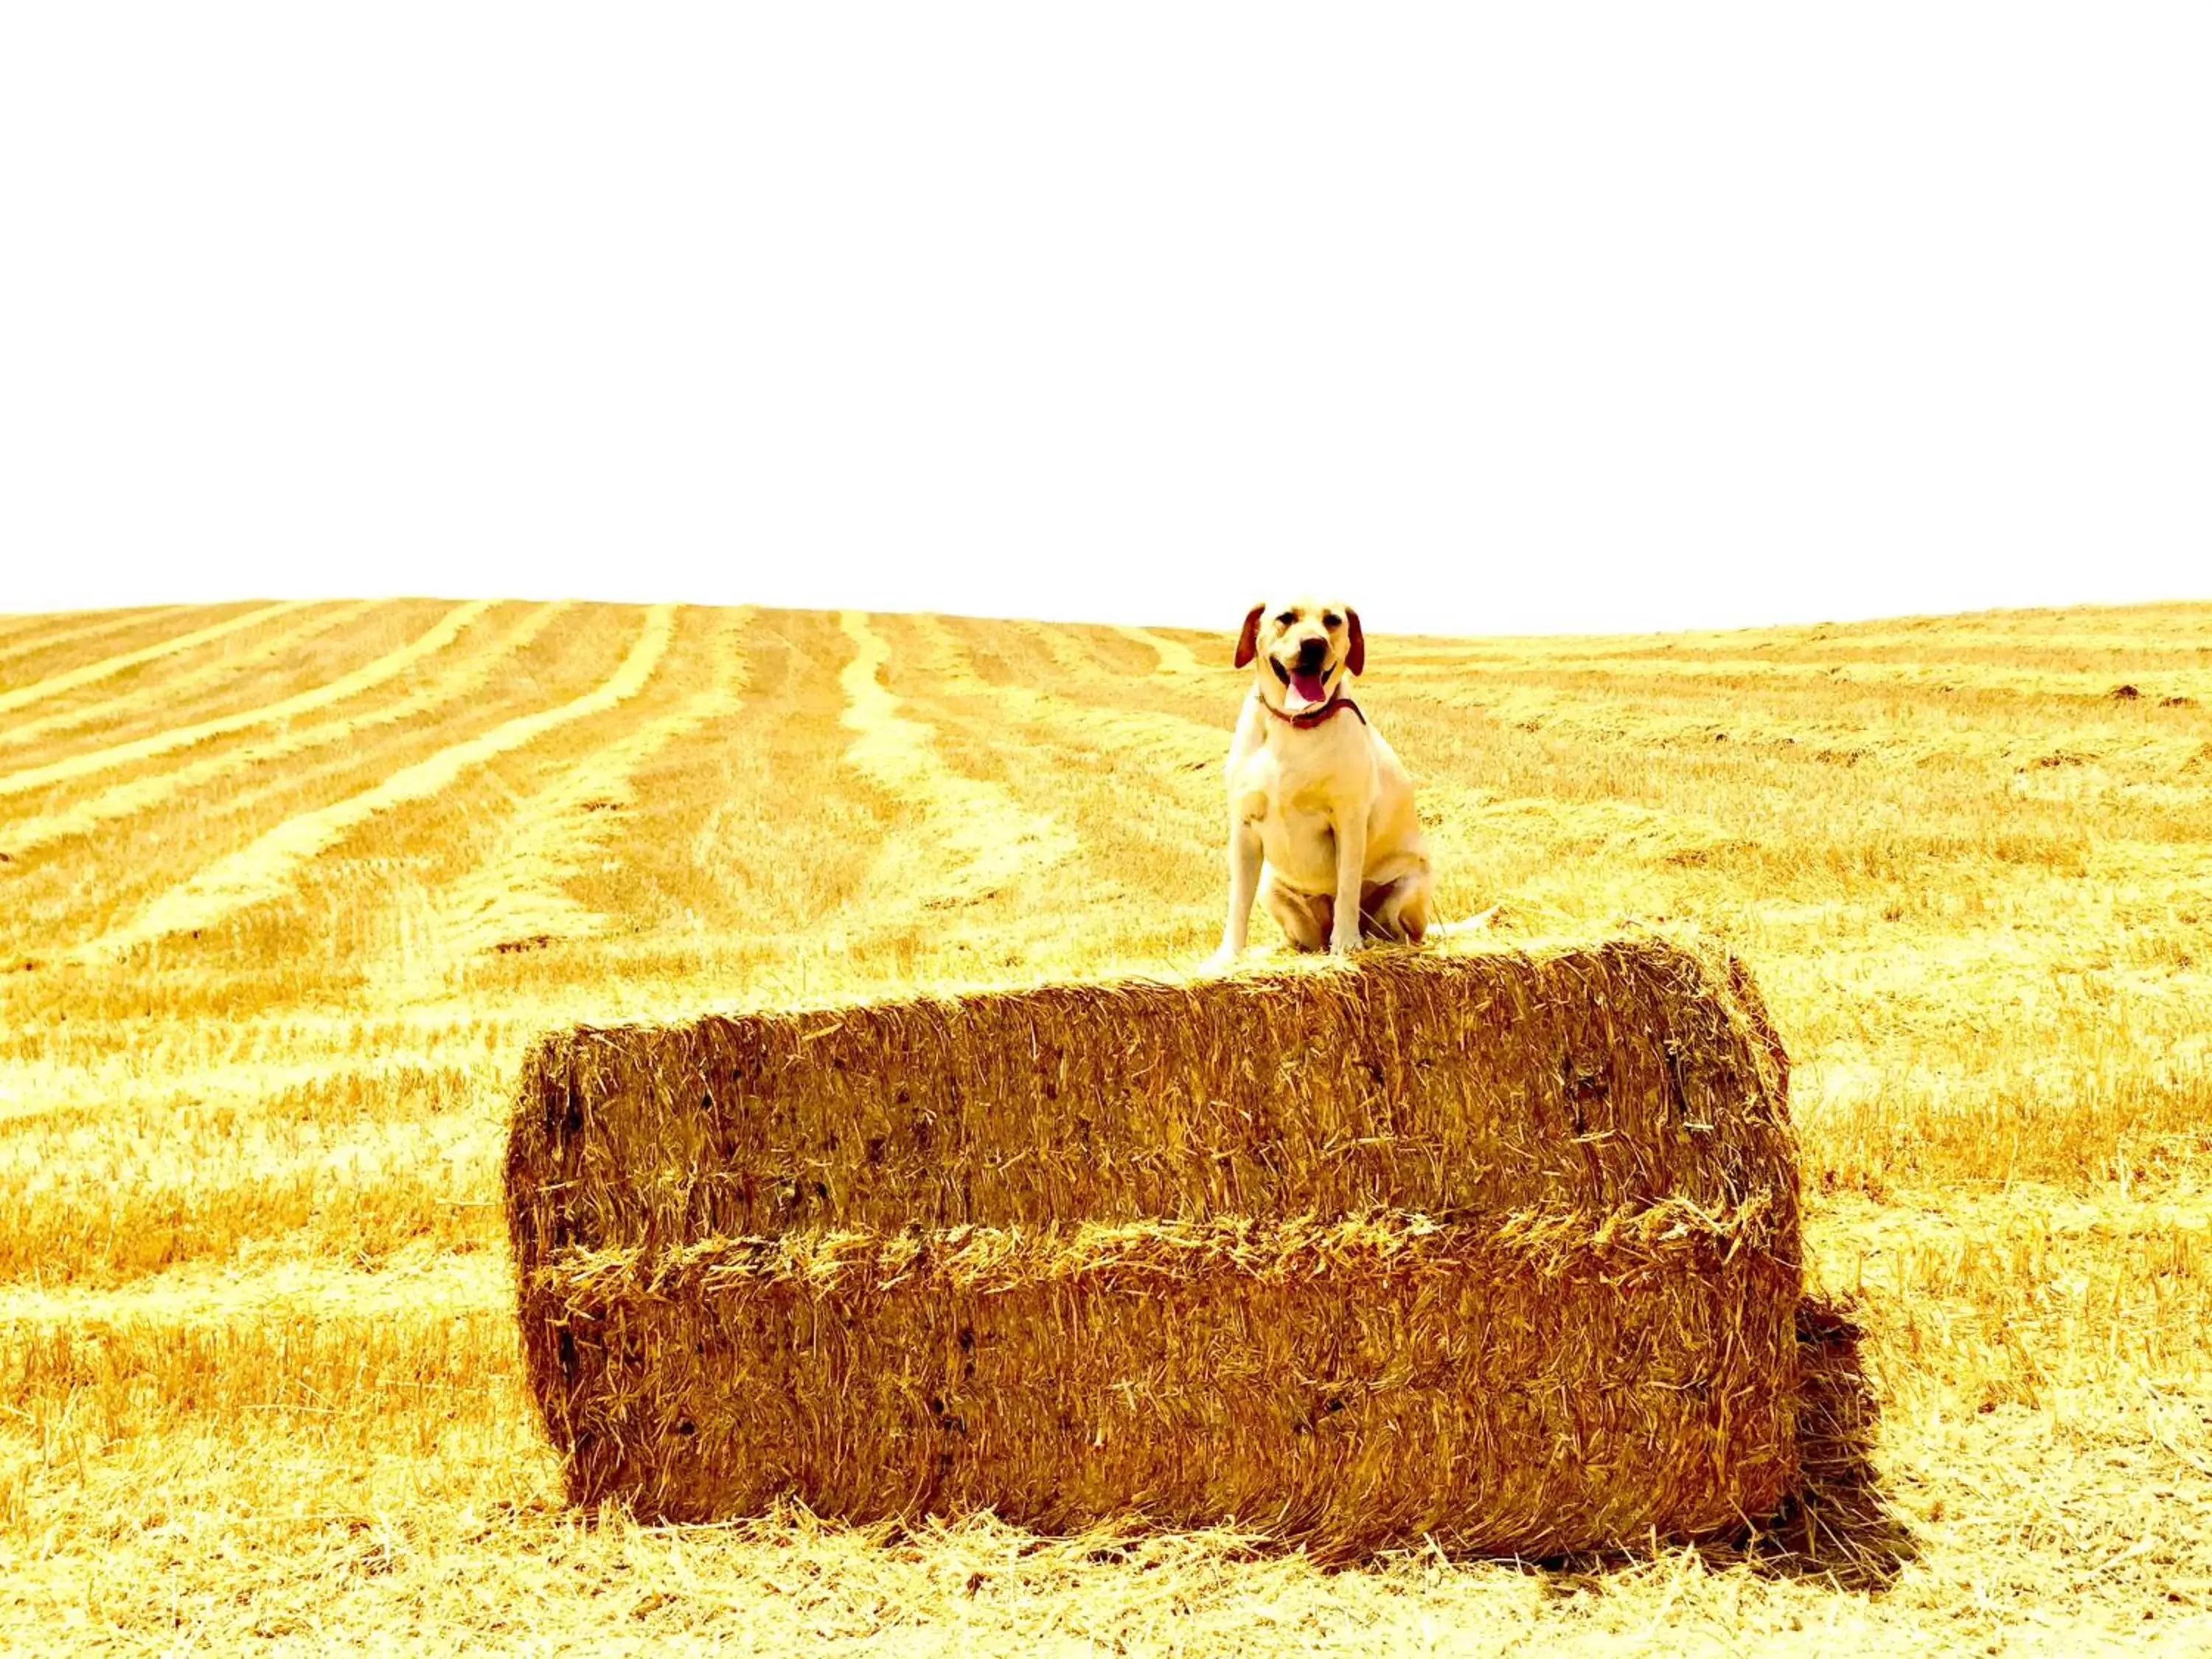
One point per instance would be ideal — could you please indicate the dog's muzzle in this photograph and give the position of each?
(1307, 682)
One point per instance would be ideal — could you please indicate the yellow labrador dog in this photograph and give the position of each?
(1321, 828)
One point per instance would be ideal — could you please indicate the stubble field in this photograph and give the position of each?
(285, 891)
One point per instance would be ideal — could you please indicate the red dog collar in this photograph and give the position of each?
(1312, 717)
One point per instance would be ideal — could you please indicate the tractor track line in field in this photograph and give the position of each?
(173, 690)
(1067, 651)
(142, 794)
(1175, 742)
(982, 841)
(1175, 657)
(54, 685)
(262, 870)
(516, 892)
(33, 635)
(1100, 742)
(440, 635)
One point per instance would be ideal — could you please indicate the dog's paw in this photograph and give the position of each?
(1341, 945)
(1220, 962)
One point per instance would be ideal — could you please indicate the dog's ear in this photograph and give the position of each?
(1356, 658)
(1248, 643)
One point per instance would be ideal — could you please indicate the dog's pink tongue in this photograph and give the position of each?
(1309, 687)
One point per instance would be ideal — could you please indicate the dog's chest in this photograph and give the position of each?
(1289, 791)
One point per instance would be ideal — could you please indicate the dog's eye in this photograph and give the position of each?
(1286, 618)
(1332, 620)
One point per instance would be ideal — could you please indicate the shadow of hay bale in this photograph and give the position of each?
(1837, 1524)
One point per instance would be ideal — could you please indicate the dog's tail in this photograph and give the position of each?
(1475, 924)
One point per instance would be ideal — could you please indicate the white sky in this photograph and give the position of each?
(1525, 317)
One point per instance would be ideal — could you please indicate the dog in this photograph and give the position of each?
(1321, 825)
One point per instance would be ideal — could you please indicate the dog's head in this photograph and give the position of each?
(1305, 648)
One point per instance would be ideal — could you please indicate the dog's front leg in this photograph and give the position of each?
(1244, 858)
(1351, 871)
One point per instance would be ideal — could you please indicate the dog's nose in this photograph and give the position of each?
(1311, 654)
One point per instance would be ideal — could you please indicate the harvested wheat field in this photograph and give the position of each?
(288, 892)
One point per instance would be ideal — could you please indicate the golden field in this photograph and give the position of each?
(285, 891)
